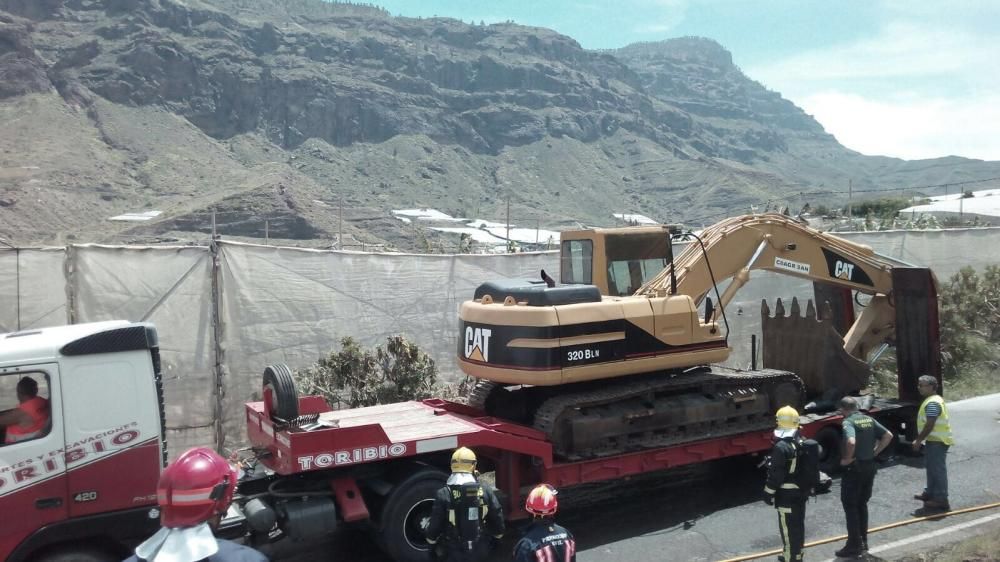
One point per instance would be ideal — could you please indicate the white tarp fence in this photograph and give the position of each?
(293, 305)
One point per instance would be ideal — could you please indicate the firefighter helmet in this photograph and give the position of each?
(542, 501)
(463, 460)
(787, 419)
(194, 488)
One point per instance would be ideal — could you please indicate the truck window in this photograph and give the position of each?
(576, 261)
(24, 407)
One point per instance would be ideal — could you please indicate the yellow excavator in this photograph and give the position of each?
(622, 354)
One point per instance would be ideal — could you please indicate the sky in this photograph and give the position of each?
(911, 79)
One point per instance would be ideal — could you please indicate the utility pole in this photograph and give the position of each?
(850, 194)
(215, 234)
(509, 247)
(340, 225)
(536, 231)
(266, 234)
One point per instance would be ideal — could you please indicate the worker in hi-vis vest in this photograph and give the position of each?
(934, 433)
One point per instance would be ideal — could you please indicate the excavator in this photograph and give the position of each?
(624, 354)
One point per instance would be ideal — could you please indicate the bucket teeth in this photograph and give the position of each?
(811, 310)
(796, 311)
(779, 309)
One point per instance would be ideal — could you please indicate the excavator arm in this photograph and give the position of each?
(732, 248)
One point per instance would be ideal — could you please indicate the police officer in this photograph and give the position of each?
(782, 490)
(543, 540)
(466, 518)
(864, 439)
(194, 493)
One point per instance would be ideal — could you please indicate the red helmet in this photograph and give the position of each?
(542, 501)
(195, 487)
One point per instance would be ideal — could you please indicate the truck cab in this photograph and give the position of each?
(82, 483)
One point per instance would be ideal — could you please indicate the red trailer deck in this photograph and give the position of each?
(521, 456)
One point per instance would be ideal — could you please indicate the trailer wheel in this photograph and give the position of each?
(406, 514)
(279, 392)
(829, 439)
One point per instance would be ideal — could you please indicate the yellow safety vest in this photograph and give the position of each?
(942, 429)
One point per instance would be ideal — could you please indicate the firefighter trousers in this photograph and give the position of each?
(792, 524)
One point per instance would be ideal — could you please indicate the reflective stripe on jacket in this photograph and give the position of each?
(942, 429)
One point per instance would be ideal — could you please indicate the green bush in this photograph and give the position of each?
(355, 377)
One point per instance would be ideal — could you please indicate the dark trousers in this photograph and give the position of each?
(792, 524)
(855, 491)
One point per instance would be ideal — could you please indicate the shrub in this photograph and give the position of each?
(356, 377)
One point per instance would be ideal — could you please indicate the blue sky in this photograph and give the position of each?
(914, 79)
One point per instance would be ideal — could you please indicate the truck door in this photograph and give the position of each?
(32, 470)
(113, 454)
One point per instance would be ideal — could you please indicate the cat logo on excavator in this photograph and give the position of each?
(477, 343)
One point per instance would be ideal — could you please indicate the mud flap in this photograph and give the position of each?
(918, 337)
(811, 347)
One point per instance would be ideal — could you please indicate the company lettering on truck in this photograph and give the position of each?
(27, 471)
(340, 458)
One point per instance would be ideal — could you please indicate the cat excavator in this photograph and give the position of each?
(624, 353)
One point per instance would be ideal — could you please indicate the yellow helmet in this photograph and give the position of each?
(463, 460)
(787, 419)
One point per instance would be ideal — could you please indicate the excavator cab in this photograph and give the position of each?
(616, 260)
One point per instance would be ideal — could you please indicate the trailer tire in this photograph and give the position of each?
(279, 390)
(830, 440)
(404, 516)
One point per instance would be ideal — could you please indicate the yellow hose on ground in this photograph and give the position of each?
(885, 527)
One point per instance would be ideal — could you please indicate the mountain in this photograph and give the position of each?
(307, 118)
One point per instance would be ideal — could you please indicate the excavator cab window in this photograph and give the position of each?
(634, 259)
(576, 262)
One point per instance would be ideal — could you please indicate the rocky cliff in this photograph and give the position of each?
(308, 115)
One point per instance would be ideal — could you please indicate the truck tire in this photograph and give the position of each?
(405, 515)
(279, 390)
(830, 439)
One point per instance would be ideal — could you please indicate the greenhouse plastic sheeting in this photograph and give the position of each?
(172, 288)
(32, 289)
(294, 306)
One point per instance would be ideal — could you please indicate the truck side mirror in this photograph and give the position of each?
(708, 309)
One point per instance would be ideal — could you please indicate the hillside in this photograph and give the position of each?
(282, 111)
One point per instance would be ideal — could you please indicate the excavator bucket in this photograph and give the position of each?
(810, 347)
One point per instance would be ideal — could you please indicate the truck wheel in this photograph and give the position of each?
(279, 392)
(406, 514)
(829, 439)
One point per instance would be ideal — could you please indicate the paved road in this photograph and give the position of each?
(716, 512)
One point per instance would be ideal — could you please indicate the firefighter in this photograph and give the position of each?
(782, 490)
(543, 539)
(466, 520)
(194, 493)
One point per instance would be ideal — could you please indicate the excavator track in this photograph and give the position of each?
(664, 409)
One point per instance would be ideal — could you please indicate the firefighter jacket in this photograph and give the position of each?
(782, 472)
(544, 541)
(465, 514)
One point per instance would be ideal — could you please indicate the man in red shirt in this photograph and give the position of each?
(30, 418)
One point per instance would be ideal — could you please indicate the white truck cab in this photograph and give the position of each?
(81, 484)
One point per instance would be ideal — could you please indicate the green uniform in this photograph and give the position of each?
(866, 433)
(859, 477)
